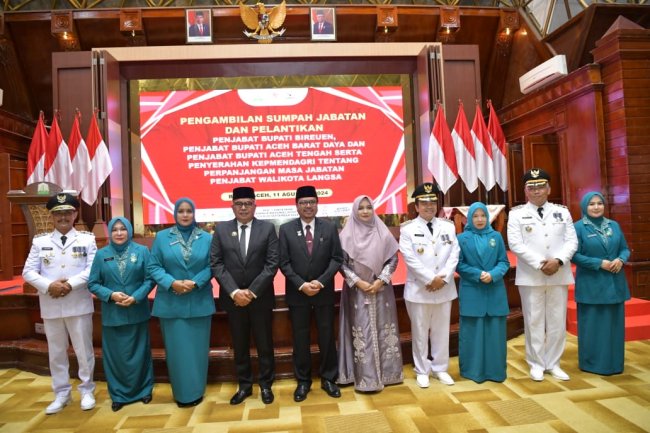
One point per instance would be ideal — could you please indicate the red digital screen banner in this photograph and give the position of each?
(345, 141)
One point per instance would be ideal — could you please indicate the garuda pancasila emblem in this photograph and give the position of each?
(265, 23)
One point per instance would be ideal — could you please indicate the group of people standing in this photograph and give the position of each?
(244, 254)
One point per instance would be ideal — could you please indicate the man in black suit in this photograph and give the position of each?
(199, 28)
(310, 256)
(322, 26)
(244, 260)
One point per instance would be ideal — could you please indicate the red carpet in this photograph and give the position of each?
(637, 318)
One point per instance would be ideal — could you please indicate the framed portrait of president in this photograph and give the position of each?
(198, 26)
(323, 24)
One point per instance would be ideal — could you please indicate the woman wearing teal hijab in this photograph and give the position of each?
(118, 277)
(601, 288)
(482, 298)
(184, 303)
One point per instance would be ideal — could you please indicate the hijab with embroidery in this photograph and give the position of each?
(600, 224)
(121, 250)
(368, 243)
(481, 237)
(185, 231)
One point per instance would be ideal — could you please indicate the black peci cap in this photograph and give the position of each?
(306, 191)
(243, 192)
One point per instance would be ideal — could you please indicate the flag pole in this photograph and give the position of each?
(100, 228)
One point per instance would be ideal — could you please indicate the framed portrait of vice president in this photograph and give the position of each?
(323, 24)
(198, 26)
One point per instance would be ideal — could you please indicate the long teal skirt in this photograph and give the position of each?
(482, 348)
(187, 343)
(127, 361)
(601, 338)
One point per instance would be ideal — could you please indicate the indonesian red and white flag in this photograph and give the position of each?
(464, 147)
(482, 150)
(100, 163)
(58, 167)
(442, 157)
(36, 154)
(78, 155)
(499, 149)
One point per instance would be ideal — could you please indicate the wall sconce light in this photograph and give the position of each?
(386, 18)
(449, 24)
(508, 25)
(62, 28)
(2, 25)
(132, 27)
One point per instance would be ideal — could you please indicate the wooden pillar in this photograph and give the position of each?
(624, 55)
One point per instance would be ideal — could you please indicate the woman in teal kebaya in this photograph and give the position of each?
(601, 288)
(180, 265)
(482, 298)
(118, 278)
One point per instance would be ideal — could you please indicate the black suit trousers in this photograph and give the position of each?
(300, 325)
(243, 322)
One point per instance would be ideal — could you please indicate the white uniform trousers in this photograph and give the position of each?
(544, 309)
(80, 330)
(430, 322)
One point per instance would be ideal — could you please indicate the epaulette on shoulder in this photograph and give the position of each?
(445, 220)
(40, 235)
(86, 233)
(405, 223)
(561, 205)
(517, 207)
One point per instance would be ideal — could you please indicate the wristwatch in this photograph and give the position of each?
(559, 261)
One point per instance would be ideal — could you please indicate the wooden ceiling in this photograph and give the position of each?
(27, 43)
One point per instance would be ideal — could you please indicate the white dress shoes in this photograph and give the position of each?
(558, 373)
(422, 380)
(444, 378)
(537, 374)
(58, 404)
(87, 401)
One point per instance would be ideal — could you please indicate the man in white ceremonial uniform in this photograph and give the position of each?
(542, 236)
(430, 250)
(58, 266)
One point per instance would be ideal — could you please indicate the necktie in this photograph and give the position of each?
(430, 225)
(540, 212)
(242, 241)
(309, 238)
(320, 28)
(63, 239)
(200, 29)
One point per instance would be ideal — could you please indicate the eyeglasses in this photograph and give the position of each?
(241, 204)
(306, 203)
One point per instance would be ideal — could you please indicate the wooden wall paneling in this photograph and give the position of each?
(71, 88)
(542, 151)
(423, 111)
(6, 256)
(461, 82)
(515, 173)
(113, 100)
(20, 240)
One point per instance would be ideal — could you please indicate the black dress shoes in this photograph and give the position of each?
(116, 406)
(267, 395)
(146, 399)
(330, 388)
(191, 403)
(240, 396)
(300, 394)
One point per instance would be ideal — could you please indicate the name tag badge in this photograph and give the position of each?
(46, 248)
(109, 259)
(592, 235)
(419, 235)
